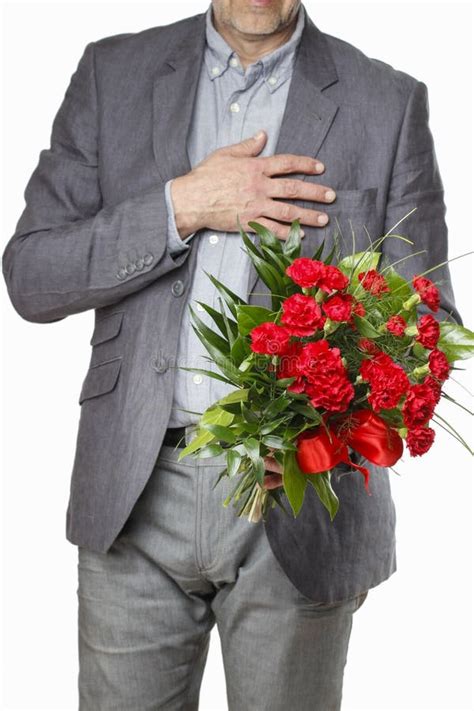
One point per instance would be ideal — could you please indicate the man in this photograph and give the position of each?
(154, 153)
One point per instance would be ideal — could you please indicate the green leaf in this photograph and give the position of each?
(231, 327)
(292, 245)
(353, 264)
(276, 406)
(279, 261)
(212, 450)
(229, 297)
(252, 447)
(213, 415)
(307, 411)
(239, 351)
(274, 442)
(318, 254)
(241, 395)
(400, 290)
(456, 342)
(222, 433)
(294, 482)
(322, 485)
(331, 254)
(223, 363)
(270, 426)
(285, 382)
(248, 414)
(248, 317)
(209, 335)
(233, 462)
(266, 236)
(365, 328)
(220, 321)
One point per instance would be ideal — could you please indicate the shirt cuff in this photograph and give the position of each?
(176, 245)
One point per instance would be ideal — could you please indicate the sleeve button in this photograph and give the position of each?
(122, 273)
(139, 264)
(160, 364)
(130, 268)
(147, 259)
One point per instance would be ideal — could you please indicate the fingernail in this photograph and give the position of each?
(322, 219)
(330, 195)
(319, 167)
(259, 134)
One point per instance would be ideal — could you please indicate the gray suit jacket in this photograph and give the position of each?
(93, 236)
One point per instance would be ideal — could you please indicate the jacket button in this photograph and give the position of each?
(130, 268)
(177, 288)
(139, 264)
(160, 365)
(147, 259)
(122, 273)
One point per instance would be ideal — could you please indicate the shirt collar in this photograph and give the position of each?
(220, 57)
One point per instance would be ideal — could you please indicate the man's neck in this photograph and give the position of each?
(251, 48)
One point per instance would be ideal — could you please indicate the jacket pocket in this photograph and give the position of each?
(107, 327)
(100, 378)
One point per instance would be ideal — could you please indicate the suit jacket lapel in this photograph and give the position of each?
(174, 90)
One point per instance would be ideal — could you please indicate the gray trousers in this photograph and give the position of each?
(182, 563)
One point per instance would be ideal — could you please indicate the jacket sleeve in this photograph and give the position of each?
(69, 253)
(416, 183)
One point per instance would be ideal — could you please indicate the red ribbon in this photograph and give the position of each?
(323, 448)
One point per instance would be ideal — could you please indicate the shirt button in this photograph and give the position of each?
(177, 288)
(213, 239)
(235, 108)
(147, 258)
(215, 71)
(234, 62)
(197, 379)
(122, 273)
(272, 80)
(200, 307)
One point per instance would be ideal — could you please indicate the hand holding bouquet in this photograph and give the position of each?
(342, 368)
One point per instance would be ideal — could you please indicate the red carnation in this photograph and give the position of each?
(306, 272)
(327, 385)
(301, 315)
(332, 279)
(368, 346)
(373, 282)
(434, 386)
(419, 440)
(427, 292)
(269, 339)
(428, 331)
(439, 365)
(387, 380)
(419, 405)
(358, 308)
(288, 367)
(396, 325)
(339, 307)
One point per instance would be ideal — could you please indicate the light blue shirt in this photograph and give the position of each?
(231, 105)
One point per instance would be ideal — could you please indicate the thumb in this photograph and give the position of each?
(248, 147)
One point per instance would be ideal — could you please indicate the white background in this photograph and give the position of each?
(411, 641)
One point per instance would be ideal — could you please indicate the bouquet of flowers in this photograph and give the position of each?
(341, 368)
